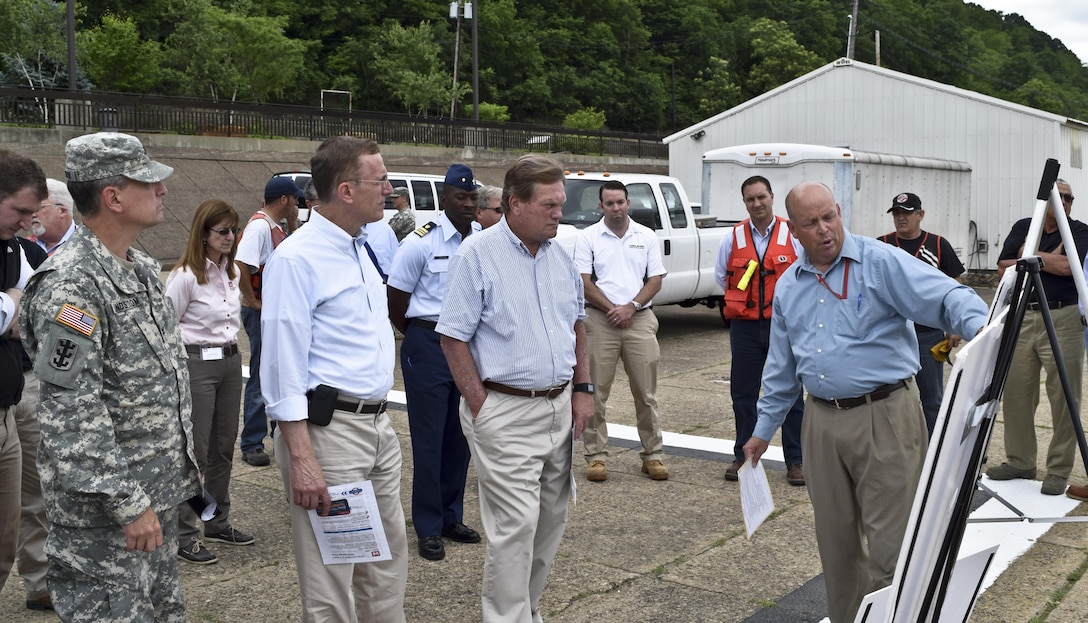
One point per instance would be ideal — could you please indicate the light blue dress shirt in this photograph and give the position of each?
(516, 311)
(848, 347)
(421, 267)
(324, 320)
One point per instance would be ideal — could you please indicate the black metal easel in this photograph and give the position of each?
(1028, 282)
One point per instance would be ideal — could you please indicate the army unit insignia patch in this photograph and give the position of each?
(64, 353)
(75, 318)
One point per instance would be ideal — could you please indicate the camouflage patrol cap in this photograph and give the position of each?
(108, 154)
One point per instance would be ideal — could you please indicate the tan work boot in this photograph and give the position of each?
(656, 470)
(596, 472)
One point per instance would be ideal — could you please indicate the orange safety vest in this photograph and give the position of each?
(754, 302)
(278, 236)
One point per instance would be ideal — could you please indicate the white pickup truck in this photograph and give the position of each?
(689, 247)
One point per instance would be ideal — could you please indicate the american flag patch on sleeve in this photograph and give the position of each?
(76, 318)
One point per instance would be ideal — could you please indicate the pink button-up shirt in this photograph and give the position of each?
(208, 314)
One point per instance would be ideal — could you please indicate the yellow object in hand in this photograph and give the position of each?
(743, 283)
(940, 350)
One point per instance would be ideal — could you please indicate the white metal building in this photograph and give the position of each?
(864, 107)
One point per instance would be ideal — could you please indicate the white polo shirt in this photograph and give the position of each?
(621, 264)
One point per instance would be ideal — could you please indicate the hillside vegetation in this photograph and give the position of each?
(648, 66)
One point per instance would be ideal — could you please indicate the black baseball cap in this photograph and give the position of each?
(906, 201)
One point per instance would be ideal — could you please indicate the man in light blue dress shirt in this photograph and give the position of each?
(512, 331)
(327, 340)
(841, 328)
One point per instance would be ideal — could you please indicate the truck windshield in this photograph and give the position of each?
(583, 199)
(581, 208)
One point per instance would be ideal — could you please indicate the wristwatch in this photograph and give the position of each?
(638, 306)
(583, 387)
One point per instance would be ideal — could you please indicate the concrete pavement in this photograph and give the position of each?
(634, 549)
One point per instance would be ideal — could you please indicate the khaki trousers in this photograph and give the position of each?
(10, 465)
(352, 448)
(862, 467)
(637, 347)
(33, 524)
(522, 450)
(1033, 354)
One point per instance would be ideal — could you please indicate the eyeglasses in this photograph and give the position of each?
(499, 210)
(224, 231)
(377, 182)
(1067, 197)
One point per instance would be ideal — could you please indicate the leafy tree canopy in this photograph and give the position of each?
(644, 65)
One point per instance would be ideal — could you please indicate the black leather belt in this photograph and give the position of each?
(549, 392)
(356, 406)
(229, 350)
(426, 324)
(876, 395)
(1051, 305)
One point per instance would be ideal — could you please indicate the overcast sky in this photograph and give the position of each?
(1066, 20)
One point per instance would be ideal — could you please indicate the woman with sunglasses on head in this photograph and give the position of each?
(204, 290)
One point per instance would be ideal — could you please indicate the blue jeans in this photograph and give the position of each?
(930, 376)
(254, 420)
(750, 340)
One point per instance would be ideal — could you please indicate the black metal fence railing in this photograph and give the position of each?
(135, 113)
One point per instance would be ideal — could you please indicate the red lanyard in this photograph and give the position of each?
(845, 284)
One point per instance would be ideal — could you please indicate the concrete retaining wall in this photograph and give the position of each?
(236, 170)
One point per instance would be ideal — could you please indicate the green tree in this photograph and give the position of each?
(777, 57)
(32, 42)
(116, 58)
(411, 70)
(494, 112)
(716, 89)
(589, 119)
(240, 57)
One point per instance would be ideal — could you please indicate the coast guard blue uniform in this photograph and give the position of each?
(440, 452)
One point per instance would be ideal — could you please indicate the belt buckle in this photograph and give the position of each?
(381, 407)
(837, 405)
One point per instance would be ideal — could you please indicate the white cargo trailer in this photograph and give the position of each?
(864, 185)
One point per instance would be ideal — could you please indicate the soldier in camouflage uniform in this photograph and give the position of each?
(116, 453)
(404, 221)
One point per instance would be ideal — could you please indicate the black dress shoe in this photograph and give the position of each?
(431, 548)
(461, 533)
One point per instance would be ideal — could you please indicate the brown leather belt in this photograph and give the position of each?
(876, 395)
(354, 405)
(549, 392)
(229, 350)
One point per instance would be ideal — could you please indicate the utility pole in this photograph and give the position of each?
(852, 37)
(455, 13)
(72, 68)
(472, 12)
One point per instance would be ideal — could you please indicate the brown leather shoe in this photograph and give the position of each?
(731, 471)
(795, 475)
(1077, 492)
(655, 469)
(40, 603)
(596, 472)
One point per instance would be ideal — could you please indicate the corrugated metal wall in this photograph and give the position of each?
(872, 109)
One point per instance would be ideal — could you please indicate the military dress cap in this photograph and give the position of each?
(400, 191)
(280, 186)
(906, 201)
(108, 154)
(461, 177)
